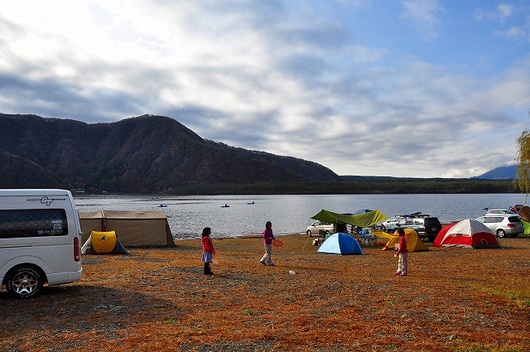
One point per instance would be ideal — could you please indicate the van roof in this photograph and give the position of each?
(32, 192)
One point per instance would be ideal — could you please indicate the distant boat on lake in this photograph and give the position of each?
(225, 206)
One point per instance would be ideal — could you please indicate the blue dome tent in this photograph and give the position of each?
(340, 243)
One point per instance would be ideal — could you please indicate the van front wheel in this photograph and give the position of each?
(24, 282)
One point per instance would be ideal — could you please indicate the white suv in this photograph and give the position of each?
(503, 224)
(500, 211)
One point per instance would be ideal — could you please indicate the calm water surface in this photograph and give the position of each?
(187, 215)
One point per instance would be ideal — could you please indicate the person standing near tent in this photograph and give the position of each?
(402, 253)
(268, 237)
(207, 250)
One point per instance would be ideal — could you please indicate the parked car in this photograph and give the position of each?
(431, 226)
(503, 224)
(395, 222)
(391, 223)
(500, 211)
(317, 226)
(425, 225)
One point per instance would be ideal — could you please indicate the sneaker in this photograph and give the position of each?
(262, 262)
(402, 274)
(272, 264)
(397, 273)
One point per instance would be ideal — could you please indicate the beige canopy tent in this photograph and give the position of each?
(91, 221)
(133, 228)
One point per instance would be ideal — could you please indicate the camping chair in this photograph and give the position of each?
(366, 238)
(322, 235)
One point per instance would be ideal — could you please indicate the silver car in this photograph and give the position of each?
(317, 226)
(503, 224)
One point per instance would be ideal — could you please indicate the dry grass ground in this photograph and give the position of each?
(158, 299)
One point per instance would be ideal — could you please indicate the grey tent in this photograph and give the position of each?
(134, 228)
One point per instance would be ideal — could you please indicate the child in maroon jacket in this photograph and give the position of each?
(268, 237)
(207, 250)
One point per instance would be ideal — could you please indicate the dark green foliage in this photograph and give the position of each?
(389, 186)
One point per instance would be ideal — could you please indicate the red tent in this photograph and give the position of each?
(467, 233)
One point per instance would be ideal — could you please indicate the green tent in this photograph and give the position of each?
(362, 220)
(526, 227)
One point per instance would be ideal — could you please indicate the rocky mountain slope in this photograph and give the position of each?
(141, 154)
(500, 173)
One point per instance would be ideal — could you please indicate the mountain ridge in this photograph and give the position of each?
(148, 153)
(157, 154)
(508, 172)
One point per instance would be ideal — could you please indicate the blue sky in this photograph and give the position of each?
(418, 88)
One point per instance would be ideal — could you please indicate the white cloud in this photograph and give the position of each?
(292, 78)
(500, 14)
(424, 17)
(513, 33)
(504, 11)
(513, 22)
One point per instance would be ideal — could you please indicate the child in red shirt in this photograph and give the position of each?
(402, 253)
(207, 250)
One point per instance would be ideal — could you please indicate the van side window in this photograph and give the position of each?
(33, 223)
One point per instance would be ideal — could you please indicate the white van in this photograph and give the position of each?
(39, 240)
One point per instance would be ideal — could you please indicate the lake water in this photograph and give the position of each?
(188, 215)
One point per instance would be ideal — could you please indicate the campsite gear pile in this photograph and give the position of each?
(342, 242)
(467, 233)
